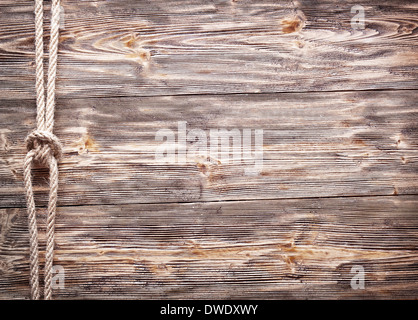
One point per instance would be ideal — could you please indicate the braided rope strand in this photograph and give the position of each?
(33, 230)
(43, 147)
(50, 227)
(52, 67)
(39, 64)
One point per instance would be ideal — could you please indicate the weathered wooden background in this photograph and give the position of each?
(339, 183)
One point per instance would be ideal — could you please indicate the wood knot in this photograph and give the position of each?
(293, 24)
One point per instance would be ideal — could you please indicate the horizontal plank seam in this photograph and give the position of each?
(224, 200)
(218, 94)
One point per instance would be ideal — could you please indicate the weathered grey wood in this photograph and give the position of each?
(339, 181)
(253, 249)
(315, 145)
(168, 47)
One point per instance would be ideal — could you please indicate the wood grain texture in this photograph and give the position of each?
(225, 249)
(160, 47)
(315, 145)
(339, 114)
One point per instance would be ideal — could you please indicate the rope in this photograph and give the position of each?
(43, 147)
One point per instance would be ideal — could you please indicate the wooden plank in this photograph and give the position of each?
(170, 47)
(314, 145)
(253, 249)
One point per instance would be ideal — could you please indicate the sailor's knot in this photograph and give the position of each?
(44, 145)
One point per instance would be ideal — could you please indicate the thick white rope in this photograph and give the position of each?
(43, 147)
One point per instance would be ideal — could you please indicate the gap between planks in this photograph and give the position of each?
(219, 201)
(225, 94)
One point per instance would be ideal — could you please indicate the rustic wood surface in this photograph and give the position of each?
(302, 248)
(315, 144)
(166, 47)
(339, 114)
